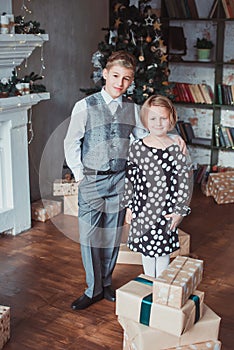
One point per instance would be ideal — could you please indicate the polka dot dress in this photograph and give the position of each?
(156, 185)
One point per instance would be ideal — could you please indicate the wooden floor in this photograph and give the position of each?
(41, 274)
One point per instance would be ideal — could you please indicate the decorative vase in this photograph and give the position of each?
(203, 55)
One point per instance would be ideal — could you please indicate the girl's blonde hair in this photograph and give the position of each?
(162, 101)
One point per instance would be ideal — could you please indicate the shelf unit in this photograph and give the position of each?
(218, 70)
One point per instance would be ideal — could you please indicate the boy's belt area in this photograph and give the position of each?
(88, 171)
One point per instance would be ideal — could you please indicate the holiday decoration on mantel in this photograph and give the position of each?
(29, 27)
(17, 87)
(135, 27)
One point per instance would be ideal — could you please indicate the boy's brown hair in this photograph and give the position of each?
(162, 101)
(122, 58)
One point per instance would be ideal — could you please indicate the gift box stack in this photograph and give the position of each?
(68, 189)
(4, 325)
(221, 187)
(167, 312)
(45, 209)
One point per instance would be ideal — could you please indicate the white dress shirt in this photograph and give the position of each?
(76, 131)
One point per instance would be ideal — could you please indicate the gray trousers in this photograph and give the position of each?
(100, 221)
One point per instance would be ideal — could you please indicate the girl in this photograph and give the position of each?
(158, 187)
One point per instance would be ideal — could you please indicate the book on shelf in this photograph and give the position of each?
(217, 10)
(198, 94)
(224, 136)
(205, 93)
(213, 9)
(181, 9)
(231, 140)
(193, 8)
(180, 129)
(221, 137)
(171, 8)
(186, 131)
(225, 94)
(193, 93)
(219, 94)
(228, 8)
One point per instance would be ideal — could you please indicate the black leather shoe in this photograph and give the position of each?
(109, 293)
(84, 301)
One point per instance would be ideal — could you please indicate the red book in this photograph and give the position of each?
(191, 99)
(227, 8)
(193, 8)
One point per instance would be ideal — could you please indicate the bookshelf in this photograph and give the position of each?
(219, 70)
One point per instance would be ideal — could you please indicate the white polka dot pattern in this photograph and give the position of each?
(156, 184)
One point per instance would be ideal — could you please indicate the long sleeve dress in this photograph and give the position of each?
(158, 182)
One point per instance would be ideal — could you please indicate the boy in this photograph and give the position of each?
(96, 149)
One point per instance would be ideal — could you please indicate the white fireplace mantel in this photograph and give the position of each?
(15, 209)
(15, 48)
(15, 212)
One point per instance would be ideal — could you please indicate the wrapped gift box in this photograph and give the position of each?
(4, 325)
(224, 193)
(45, 209)
(134, 301)
(64, 187)
(70, 205)
(221, 186)
(206, 345)
(177, 282)
(127, 256)
(140, 337)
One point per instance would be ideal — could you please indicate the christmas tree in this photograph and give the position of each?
(135, 27)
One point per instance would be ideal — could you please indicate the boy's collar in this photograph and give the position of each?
(108, 98)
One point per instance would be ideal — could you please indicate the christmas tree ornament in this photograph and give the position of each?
(117, 23)
(148, 39)
(112, 36)
(153, 48)
(163, 58)
(117, 6)
(141, 58)
(96, 59)
(131, 88)
(149, 21)
(157, 25)
(162, 47)
(145, 95)
(156, 38)
(154, 65)
(97, 76)
(133, 37)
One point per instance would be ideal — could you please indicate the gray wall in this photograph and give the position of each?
(74, 28)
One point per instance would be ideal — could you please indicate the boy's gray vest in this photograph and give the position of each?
(106, 140)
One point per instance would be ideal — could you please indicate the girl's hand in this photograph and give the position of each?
(128, 216)
(175, 220)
